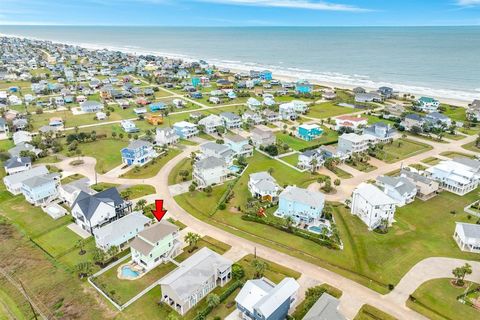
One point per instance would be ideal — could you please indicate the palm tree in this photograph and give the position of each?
(213, 300)
(192, 239)
(289, 222)
(260, 266)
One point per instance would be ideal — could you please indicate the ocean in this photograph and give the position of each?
(436, 61)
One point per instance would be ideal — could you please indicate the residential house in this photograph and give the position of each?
(194, 279)
(91, 106)
(303, 87)
(231, 120)
(393, 111)
(261, 299)
(386, 92)
(372, 206)
(210, 170)
(368, 97)
(311, 159)
(39, 190)
(262, 138)
(69, 192)
(138, 153)
(92, 211)
(398, 188)
(473, 110)
(309, 132)
(428, 105)
(349, 143)
(185, 130)
(211, 123)
(120, 232)
(301, 204)
(166, 136)
(220, 151)
(3, 126)
(467, 236)
(382, 131)
(271, 116)
(329, 95)
(325, 308)
(17, 164)
(239, 145)
(350, 122)
(252, 117)
(253, 104)
(55, 122)
(438, 120)
(19, 124)
(14, 182)
(460, 175)
(101, 115)
(129, 126)
(16, 151)
(155, 244)
(262, 185)
(427, 188)
(287, 111)
(413, 120)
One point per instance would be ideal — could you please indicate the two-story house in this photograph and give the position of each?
(262, 138)
(382, 131)
(138, 153)
(42, 189)
(398, 188)
(301, 204)
(14, 182)
(262, 185)
(17, 164)
(211, 123)
(460, 175)
(231, 120)
(309, 132)
(185, 130)
(209, 171)
(239, 145)
(155, 245)
(166, 136)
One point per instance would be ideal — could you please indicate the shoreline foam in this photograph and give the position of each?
(327, 79)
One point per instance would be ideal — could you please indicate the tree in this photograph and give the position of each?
(337, 182)
(314, 164)
(99, 256)
(81, 245)
(208, 190)
(460, 273)
(289, 222)
(112, 251)
(192, 239)
(192, 187)
(213, 300)
(172, 316)
(260, 266)
(140, 204)
(237, 271)
(114, 134)
(272, 150)
(84, 269)
(184, 174)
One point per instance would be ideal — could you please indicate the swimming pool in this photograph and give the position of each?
(316, 229)
(127, 272)
(234, 168)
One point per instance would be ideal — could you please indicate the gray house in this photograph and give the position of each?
(326, 308)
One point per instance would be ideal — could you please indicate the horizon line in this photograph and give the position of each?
(238, 26)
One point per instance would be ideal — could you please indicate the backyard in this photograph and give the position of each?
(437, 299)
(401, 149)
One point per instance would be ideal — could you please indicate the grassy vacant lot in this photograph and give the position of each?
(341, 173)
(138, 191)
(328, 136)
(361, 166)
(151, 169)
(99, 187)
(174, 177)
(368, 312)
(454, 154)
(106, 151)
(291, 159)
(403, 148)
(437, 299)
(58, 241)
(423, 229)
(431, 161)
(471, 146)
(328, 110)
(73, 177)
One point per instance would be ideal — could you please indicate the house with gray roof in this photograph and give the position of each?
(155, 244)
(120, 232)
(17, 164)
(14, 182)
(69, 192)
(92, 211)
(301, 204)
(382, 131)
(261, 299)
(17, 150)
(263, 186)
(413, 120)
(427, 188)
(262, 138)
(467, 236)
(438, 120)
(40, 190)
(166, 136)
(231, 120)
(326, 308)
(399, 188)
(194, 279)
(220, 151)
(209, 171)
(91, 106)
(21, 137)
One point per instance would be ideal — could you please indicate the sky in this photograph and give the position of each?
(241, 12)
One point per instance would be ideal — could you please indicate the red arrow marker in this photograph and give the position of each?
(159, 212)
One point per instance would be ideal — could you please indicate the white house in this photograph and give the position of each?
(118, 233)
(427, 104)
(399, 188)
(349, 143)
(166, 136)
(252, 117)
(21, 137)
(467, 236)
(231, 120)
(352, 122)
(210, 170)
(253, 104)
(185, 130)
(262, 138)
(14, 182)
(262, 185)
(220, 151)
(211, 123)
(460, 175)
(239, 145)
(17, 164)
(372, 206)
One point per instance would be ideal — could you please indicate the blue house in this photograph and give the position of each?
(196, 95)
(138, 153)
(303, 86)
(41, 189)
(309, 132)
(128, 126)
(157, 106)
(261, 299)
(195, 82)
(266, 75)
(300, 204)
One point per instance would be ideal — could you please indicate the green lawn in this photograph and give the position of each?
(431, 161)
(274, 272)
(137, 191)
(99, 187)
(471, 146)
(71, 178)
(341, 173)
(151, 168)
(328, 110)
(58, 241)
(368, 312)
(437, 299)
(361, 166)
(403, 148)
(291, 159)
(174, 177)
(454, 136)
(328, 136)
(454, 154)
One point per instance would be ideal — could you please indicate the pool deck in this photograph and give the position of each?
(82, 233)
